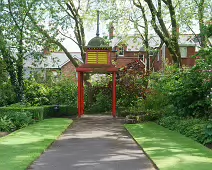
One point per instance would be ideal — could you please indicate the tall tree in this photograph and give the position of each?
(18, 40)
(64, 20)
(141, 24)
(193, 14)
(159, 25)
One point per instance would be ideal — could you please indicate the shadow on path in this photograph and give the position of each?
(94, 143)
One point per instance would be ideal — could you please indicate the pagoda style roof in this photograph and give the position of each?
(97, 42)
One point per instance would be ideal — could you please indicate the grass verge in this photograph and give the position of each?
(169, 149)
(19, 149)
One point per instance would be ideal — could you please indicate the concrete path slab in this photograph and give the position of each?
(94, 143)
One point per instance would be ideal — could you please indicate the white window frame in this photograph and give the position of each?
(121, 50)
(141, 56)
(158, 56)
(184, 52)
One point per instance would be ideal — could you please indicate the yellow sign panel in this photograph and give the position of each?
(102, 58)
(92, 56)
(97, 58)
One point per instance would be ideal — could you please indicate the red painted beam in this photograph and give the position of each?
(97, 69)
(114, 95)
(82, 95)
(79, 94)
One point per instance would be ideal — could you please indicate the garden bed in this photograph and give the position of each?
(26, 145)
(3, 134)
(169, 149)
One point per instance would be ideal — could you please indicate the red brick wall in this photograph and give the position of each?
(129, 56)
(185, 61)
(158, 64)
(69, 70)
(189, 61)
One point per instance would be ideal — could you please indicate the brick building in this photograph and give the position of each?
(123, 53)
(56, 63)
(125, 50)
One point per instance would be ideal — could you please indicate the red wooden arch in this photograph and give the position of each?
(98, 60)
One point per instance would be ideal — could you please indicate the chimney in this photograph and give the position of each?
(178, 29)
(46, 51)
(111, 31)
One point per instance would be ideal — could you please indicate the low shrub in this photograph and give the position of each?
(36, 94)
(37, 113)
(63, 92)
(197, 129)
(123, 113)
(101, 104)
(41, 112)
(11, 121)
(7, 94)
(59, 111)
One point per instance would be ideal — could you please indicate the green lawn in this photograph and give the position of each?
(19, 149)
(170, 150)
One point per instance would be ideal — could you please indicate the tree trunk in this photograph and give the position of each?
(201, 23)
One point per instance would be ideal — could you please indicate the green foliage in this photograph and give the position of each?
(98, 96)
(59, 111)
(185, 91)
(36, 94)
(130, 87)
(7, 94)
(11, 121)
(102, 103)
(3, 72)
(37, 113)
(197, 129)
(208, 133)
(64, 92)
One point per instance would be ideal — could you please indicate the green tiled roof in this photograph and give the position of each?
(97, 42)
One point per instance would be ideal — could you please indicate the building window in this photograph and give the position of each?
(183, 52)
(158, 56)
(164, 51)
(141, 57)
(121, 51)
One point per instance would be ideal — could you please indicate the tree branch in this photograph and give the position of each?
(45, 33)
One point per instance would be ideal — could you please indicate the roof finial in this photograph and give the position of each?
(97, 31)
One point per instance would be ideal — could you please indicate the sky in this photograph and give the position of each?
(89, 34)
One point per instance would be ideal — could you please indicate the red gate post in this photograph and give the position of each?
(79, 94)
(114, 95)
(82, 95)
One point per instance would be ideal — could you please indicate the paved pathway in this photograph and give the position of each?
(94, 143)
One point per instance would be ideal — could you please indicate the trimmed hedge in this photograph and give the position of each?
(13, 120)
(59, 111)
(197, 129)
(37, 112)
(41, 112)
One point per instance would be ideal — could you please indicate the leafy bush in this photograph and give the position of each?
(102, 103)
(37, 113)
(131, 86)
(11, 121)
(64, 93)
(170, 122)
(208, 132)
(185, 89)
(6, 125)
(197, 129)
(36, 94)
(40, 112)
(123, 112)
(59, 111)
(98, 96)
(7, 94)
